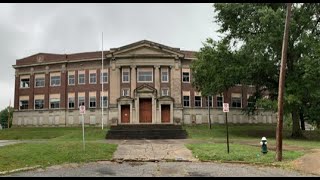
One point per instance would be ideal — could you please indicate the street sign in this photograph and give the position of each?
(226, 110)
(82, 109)
(225, 107)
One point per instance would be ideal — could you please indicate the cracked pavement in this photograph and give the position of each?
(158, 169)
(151, 150)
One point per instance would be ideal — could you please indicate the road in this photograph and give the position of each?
(158, 169)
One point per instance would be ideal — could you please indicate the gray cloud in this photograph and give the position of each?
(27, 29)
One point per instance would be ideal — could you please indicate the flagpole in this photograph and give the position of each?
(102, 83)
(9, 114)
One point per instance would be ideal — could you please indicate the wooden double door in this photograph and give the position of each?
(145, 110)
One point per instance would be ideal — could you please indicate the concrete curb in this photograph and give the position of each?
(20, 169)
(150, 160)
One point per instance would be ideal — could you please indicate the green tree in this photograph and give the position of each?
(215, 59)
(4, 115)
(254, 32)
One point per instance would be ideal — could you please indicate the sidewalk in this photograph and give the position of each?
(8, 142)
(152, 150)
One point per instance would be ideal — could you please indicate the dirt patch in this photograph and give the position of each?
(309, 163)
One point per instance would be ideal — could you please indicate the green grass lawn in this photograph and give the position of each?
(52, 153)
(51, 146)
(63, 133)
(251, 132)
(244, 142)
(237, 152)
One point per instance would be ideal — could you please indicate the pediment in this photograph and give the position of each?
(145, 89)
(165, 98)
(125, 98)
(146, 48)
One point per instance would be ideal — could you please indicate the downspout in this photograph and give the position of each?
(65, 93)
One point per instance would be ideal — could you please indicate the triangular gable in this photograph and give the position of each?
(166, 98)
(146, 48)
(125, 98)
(145, 88)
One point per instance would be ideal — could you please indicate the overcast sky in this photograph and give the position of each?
(27, 29)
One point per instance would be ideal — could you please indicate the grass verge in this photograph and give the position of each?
(63, 133)
(240, 153)
(52, 153)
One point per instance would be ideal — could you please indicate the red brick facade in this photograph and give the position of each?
(50, 63)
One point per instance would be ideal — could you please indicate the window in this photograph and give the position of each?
(185, 77)
(25, 83)
(164, 92)
(81, 79)
(24, 104)
(93, 78)
(125, 76)
(71, 102)
(71, 80)
(251, 101)
(164, 75)
(104, 78)
(219, 101)
(186, 101)
(38, 104)
(55, 81)
(81, 101)
(92, 102)
(125, 92)
(39, 82)
(54, 103)
(145, 76)
(236, 102)
(197, 101)
(210, 101)
(104, 99)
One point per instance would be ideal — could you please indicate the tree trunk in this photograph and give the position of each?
(296, 131)
(303, 127)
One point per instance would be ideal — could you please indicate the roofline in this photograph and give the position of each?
(58, 62)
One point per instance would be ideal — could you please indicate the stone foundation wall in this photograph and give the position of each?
(62, 118)
(59, 118)
(236, 116)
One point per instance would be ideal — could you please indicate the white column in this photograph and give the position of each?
(157, 80)
(175, 82)
(133, 79)
(114, 84)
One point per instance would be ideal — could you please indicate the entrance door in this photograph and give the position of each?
(145, 110)
(125, 113)
(165, 113)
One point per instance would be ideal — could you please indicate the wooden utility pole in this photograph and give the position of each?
(281, 84)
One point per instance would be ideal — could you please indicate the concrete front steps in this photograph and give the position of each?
(146, 131)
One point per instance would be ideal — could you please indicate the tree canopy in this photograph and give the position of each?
(250, 53)
(4, 117)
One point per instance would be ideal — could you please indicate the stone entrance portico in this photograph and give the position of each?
(141, 93)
